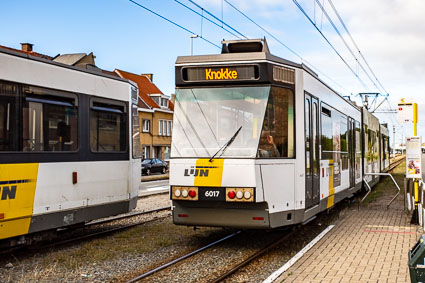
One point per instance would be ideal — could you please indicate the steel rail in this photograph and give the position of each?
(98, 222)
(251, 258)
(146, 274)
(369, 189)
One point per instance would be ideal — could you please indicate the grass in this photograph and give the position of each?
(386, 185)
(138, 240)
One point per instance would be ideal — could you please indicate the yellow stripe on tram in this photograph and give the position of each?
(331, 197)
(17, 192)
(209, 173)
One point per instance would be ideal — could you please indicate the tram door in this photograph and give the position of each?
(352, 151)
(312, 167)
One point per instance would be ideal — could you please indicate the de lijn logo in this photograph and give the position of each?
(198, 171)
(8, 192)
(8, 188)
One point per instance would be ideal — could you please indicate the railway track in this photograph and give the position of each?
(179, 259)
(254, 256)
(395, 164)
(96, 233)
(112, 230)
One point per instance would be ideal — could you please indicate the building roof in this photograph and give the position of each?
(145, 87)
(28, 52)
(70, 59)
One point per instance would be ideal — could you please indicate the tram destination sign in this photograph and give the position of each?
(221, 73)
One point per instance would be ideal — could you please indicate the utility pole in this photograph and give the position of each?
(191, 43)
(393, 141)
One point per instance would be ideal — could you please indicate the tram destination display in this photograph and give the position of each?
(221, 73)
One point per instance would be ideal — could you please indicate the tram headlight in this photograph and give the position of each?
(247, 195)
(177, 193)
(239, 194)
(185, 193)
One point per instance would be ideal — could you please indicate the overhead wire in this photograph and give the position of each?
(354, 43)
(345, 43)
(330, 44)
(221, 21)
(174, 23)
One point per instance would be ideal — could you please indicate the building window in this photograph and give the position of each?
(165, 127)
(146, 125)
(170, 127)
(157, 152)
(164, 102)
(160, 128)
(146, 152)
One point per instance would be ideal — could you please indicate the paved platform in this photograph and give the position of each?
(366, 245)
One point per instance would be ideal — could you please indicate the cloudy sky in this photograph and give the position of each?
(389, 34)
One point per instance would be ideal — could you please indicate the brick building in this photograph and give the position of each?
(155, 114)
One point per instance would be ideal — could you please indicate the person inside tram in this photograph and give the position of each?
(267, 147)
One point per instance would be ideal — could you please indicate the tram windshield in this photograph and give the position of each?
(206, 118)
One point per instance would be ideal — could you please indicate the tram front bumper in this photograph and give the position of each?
(253, 216)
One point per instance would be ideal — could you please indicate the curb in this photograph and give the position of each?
(155, 177)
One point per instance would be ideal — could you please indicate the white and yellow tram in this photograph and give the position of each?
(66, 146)
(262, 142)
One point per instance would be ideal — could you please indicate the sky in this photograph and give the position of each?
(123, 35)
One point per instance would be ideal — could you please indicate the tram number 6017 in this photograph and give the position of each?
(212, 194)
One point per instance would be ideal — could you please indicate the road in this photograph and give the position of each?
(153, 187)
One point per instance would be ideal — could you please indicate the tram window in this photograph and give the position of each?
(358, 149)
(8, 117)
(277, 135)
(50, 120)
(334, 141)
(108, 127)
(135, 132)
(344, 146)
(327, 139)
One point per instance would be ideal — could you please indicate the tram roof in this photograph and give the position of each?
(238, 55)
(93, 70)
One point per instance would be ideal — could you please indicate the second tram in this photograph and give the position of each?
(262, 142)
(69, 146)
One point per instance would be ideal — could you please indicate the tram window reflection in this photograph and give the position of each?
(107, 128)
(206, 118)
(277, 135)
(8, 119)
(50, 123)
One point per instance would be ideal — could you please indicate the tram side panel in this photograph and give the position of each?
(384, 148)
(101, 189)
(372, 156)
(339, 135)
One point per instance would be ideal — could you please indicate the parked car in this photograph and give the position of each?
(153, 165)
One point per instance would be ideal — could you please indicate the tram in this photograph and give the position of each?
(68, 146)
(261, 142)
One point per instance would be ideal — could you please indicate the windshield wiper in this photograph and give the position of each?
(227, 144)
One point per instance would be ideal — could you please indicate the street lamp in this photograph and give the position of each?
(191, 43)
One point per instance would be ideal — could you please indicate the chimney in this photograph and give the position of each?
(149, 76)
(27, 47)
